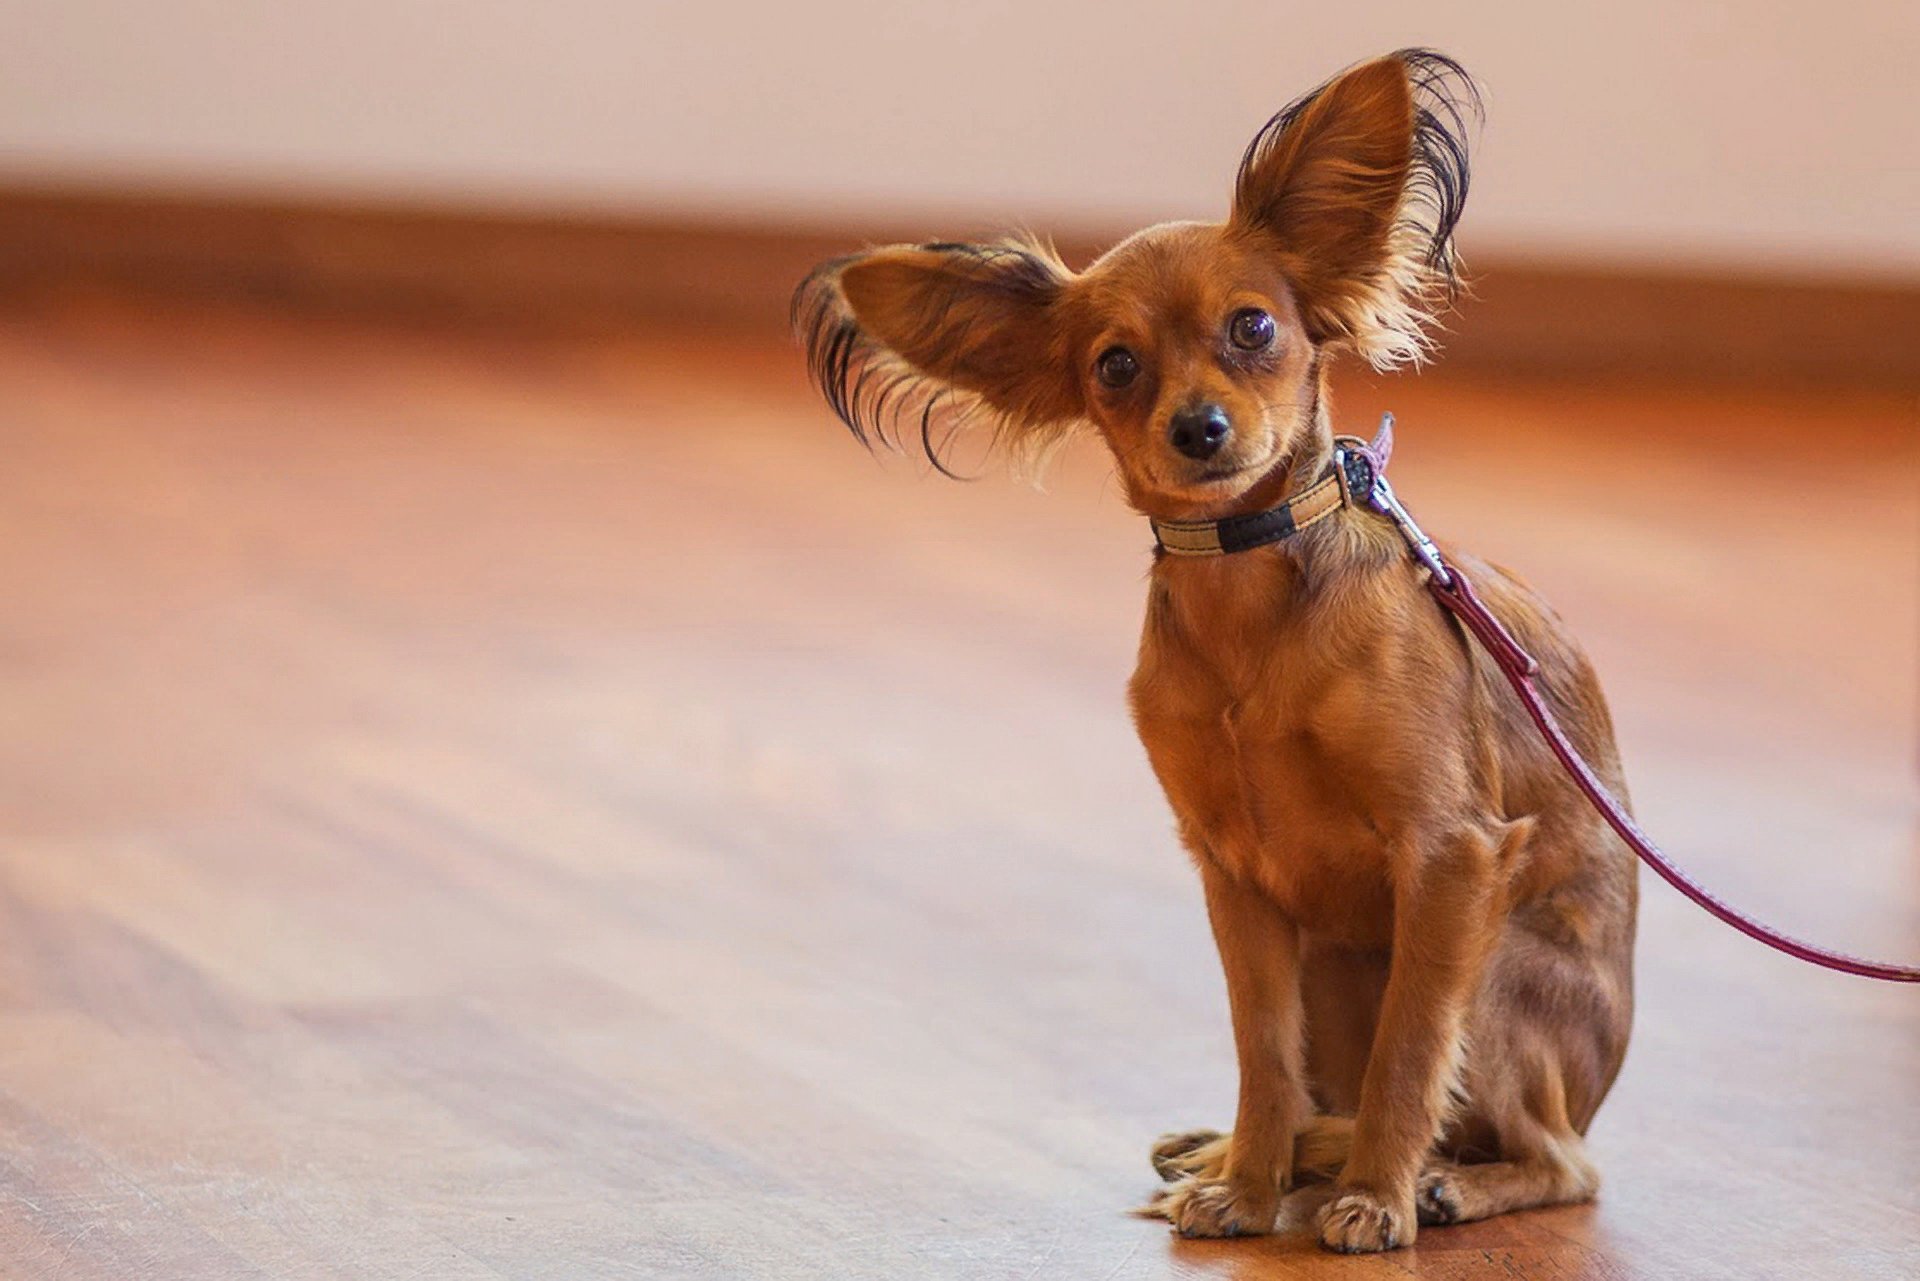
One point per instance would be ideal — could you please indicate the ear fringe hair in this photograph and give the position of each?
(886, 401)
(1387, 318)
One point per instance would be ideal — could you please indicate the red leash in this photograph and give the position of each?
(1451, 588)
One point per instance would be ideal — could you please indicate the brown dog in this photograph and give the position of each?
(1427, 934)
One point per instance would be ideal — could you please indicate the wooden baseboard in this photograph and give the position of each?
(1535, 316)
(514, 268)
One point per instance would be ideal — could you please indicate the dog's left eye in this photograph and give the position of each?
(1251, 329)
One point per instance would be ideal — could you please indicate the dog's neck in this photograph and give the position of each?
(1307, 517)
(1296, 491)
(1305, 463)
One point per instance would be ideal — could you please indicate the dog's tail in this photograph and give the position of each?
(1321, 1149)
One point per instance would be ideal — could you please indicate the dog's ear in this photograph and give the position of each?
(911, 332)
(1357, 187)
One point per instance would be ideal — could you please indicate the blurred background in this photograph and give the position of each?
(493, 783)
(1635, 145)
(1735, 135)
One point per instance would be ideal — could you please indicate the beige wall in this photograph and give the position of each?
(1771, 132)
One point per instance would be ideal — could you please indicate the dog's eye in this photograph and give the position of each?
(1116, 367)
(1251, 329)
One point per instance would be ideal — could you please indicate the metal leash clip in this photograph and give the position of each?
(1382, 500)
(1365, 483)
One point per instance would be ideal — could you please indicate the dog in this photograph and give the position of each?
(1426, 933)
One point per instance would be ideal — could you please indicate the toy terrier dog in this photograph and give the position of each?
(1427, 934)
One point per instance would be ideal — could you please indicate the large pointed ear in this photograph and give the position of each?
(941, 335)
(1357, 188)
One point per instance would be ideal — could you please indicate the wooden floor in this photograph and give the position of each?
(479, 807)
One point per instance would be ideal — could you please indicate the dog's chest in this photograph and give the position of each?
(1258, 730)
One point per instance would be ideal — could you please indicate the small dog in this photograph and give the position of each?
(1427, 933)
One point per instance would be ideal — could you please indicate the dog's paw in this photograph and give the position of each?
(1217, 1208)
(1437, 1200)
(1192, 1154)
(1358, 1222)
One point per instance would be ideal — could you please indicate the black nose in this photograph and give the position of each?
(1199, 432)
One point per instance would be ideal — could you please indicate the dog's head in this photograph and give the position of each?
(1196, 350)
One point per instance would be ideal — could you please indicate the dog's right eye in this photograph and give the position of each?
(1116, 367)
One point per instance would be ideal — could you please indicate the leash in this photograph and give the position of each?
(1360, 471)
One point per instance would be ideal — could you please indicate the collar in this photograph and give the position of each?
(1358, 469)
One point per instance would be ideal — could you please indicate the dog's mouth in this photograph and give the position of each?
(1226, 479)
(1175, 488)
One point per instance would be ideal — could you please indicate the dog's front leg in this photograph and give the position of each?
(1445, 897)
(1260, 952)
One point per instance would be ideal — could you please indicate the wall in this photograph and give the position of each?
(1763, 134)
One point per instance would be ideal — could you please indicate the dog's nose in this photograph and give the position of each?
(1200, 431)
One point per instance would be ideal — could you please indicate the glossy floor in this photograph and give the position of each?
(483, 807)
